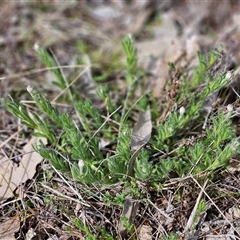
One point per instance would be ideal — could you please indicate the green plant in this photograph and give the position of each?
(201, 208)
(102, 234)
(85, 229)
(118, 199)
(172, 236)
(129, 226)
(75, 143)
(52, 64)
(77, 149)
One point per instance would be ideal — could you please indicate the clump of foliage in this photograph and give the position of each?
(75, 145)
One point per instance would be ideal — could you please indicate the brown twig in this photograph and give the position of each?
(173, 94)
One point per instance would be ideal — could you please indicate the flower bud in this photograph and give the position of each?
(36, 47)
(182, 110)
(29, 89)
(81, 163)
(230, 107)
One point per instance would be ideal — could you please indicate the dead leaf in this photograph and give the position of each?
(141, 134)
(142, 131)
(236, 212)
(145, 232)
(12, 175)
(8, 228)
(30, 234)
(130, 209)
